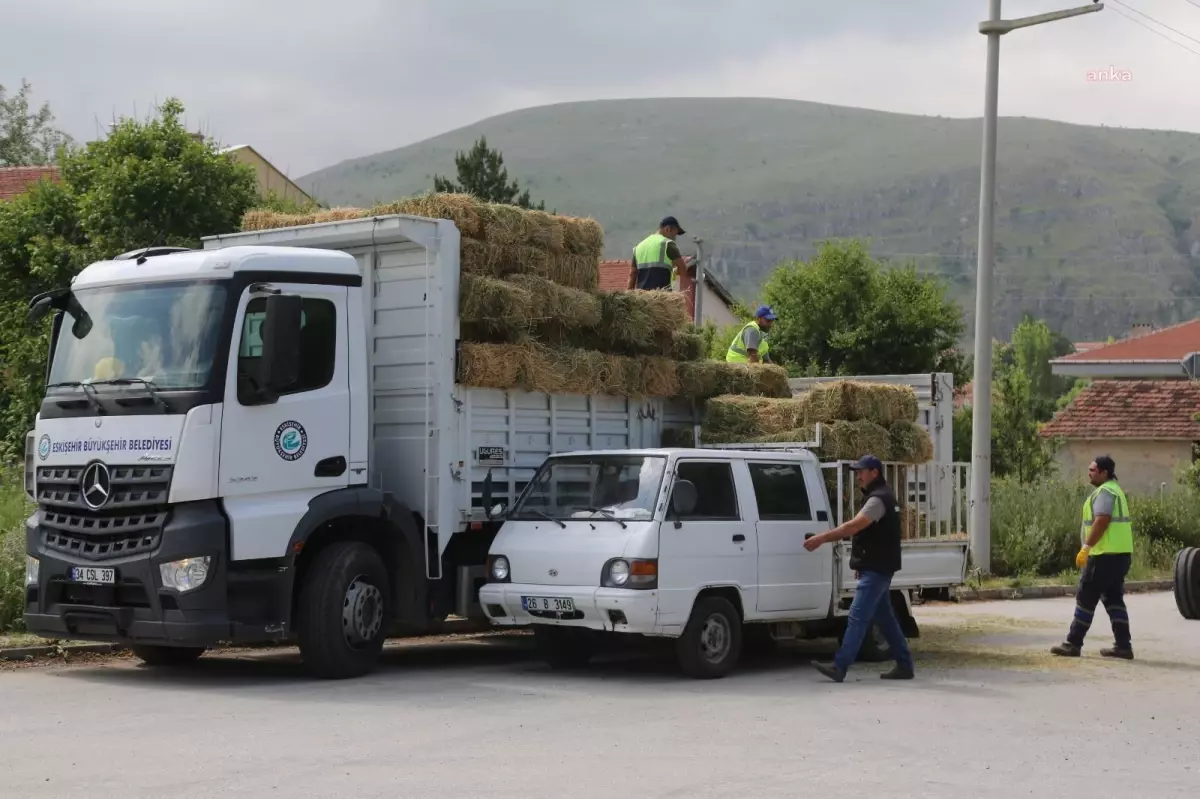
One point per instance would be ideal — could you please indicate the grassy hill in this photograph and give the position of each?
(1095, 226)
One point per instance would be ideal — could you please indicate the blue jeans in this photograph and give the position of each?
(872, 602)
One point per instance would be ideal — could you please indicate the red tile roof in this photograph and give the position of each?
(16, 180)
(614, 275)
(1143, 409)
(1169, 344)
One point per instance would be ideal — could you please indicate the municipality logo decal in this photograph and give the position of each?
(44, 447)
(290, 441)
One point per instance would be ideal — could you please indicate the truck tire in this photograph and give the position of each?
(1187, 582)
(711, 643)
(564, 647)
(344, 614)
(167, 656)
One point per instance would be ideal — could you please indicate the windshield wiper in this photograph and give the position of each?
(151, 388)
(87, 392)
(548, 517)
(612, 517)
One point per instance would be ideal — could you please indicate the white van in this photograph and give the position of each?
(704, 546)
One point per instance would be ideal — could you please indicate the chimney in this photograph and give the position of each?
(1141, 329)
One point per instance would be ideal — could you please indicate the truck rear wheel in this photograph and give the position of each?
(1187, 582)
(564, 647)
(711, 643)
(344, 612)
(168, 655)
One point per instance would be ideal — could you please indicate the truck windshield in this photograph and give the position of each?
(166, 334)
(593, 487)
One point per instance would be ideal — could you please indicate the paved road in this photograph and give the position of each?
(990, 715)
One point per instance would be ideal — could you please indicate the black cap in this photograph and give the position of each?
(673, 222)
(1105, 464)
(866, 462)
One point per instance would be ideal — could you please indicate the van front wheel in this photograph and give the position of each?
(711, 643)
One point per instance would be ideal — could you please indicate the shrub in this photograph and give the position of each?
(13, 508)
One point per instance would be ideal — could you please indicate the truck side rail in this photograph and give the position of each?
(933, 497)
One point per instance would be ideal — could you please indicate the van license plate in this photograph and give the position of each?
(93, 576)
(549, 604)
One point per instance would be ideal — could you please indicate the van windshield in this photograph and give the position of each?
(593, 486)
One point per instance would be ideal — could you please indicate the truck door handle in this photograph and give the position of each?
(822, 516)
(739, 538)
(808, 536)
(330, 467)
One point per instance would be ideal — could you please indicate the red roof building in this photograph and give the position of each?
(16, 180)
(1148, 427)
(1155, 355)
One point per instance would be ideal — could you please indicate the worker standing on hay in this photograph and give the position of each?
(1105, 554)
(875, 558)
(750, 344)
(657, 260)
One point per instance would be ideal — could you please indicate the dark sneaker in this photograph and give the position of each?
(897, 673)
(1066, 650)
(1122, 652)
(829, 670)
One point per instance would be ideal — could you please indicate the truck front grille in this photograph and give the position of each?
(129, 523)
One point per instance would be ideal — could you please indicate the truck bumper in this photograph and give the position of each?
(234, 605)
(619, 610)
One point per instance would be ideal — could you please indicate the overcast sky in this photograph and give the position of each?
(312, 82)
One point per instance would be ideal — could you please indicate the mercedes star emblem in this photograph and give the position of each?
(554, 572)
(96, 485)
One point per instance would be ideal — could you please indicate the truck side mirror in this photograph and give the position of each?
(279, 366)
(683, 499)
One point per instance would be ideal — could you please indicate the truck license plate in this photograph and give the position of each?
(93, 575)
(550, 604)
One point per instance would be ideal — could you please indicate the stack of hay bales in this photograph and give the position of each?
(857, 418)
(533, 319)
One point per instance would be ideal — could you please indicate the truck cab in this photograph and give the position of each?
(702, 546)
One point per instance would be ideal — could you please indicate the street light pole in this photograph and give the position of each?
(981, 422)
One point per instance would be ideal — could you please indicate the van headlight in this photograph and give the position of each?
(640, 573)
(499, 570)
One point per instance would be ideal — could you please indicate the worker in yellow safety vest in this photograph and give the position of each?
(750, 344)
(657, 260)
(1106, 550)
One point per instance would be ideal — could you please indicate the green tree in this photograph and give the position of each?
(845, 313)
(153, 183)
(1032, 348)
(481, 172)
(27, 137)
(147, 183)
(1018, 448)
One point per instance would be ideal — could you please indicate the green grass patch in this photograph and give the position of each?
(14, 507)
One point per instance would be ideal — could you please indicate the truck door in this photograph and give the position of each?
(790, 578)
(712, 546)
(277, 456)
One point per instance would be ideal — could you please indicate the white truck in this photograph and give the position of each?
(705, 546)
(263, 442)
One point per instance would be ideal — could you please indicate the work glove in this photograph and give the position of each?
(1082, 558)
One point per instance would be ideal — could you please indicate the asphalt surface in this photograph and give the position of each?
(990, 714)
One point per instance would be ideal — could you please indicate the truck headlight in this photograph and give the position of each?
(32, 570)
(499, 570)
(185, 575)
(630, 573)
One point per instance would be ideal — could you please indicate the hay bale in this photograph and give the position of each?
(492, 308)
(742, 418)
(626, 324)
(660, 378)
(909, 443)
(582, 236)
(667, 310)
(492, 365)
(852, 400)
(551, 302)
(845, 440)
(703, 379)
(469, 215)
(699, 379)
(266, 219)
(686, 345)
(489, 258)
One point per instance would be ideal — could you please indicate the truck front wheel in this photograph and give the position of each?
(712, 641)
(1187, 582)
(168, 655)
(344, 613)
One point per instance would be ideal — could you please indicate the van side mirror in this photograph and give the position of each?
(492, 509)
(279, 366)
(683, 498)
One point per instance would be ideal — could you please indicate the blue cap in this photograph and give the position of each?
(673, 222)
(765, 312)
(867, 462)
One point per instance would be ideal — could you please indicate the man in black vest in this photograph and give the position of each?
(875, 556)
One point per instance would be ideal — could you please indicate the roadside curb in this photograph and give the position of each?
(34, 652)
(968, 594)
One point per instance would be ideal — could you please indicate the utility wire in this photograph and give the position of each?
(1156, 22)
(1154, 30)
